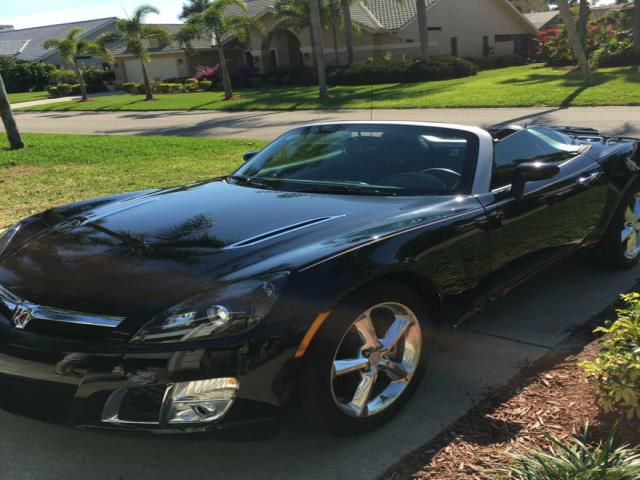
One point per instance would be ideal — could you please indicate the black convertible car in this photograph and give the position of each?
(317, 274)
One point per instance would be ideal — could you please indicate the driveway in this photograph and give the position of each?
(485, 353)
(269, 124)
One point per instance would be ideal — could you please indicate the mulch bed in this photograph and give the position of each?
(556, 400)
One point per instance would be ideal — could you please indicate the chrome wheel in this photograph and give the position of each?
(631, 229)
(376, 359)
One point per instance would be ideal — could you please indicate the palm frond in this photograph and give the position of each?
(142, 11)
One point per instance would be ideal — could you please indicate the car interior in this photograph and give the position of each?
(404, 159)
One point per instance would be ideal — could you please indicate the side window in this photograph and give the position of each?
(530, 145)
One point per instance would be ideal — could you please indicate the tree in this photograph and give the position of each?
(583, 18)
(423, 33)
(348, 32)
(296, 15)
(316, 31)
(574, 38)
(13, 134)
(73, 46)
(135, 35)
(194, 6)
(636, 24)
(215, 22)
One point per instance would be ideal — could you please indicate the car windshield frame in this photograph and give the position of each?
(249, 174)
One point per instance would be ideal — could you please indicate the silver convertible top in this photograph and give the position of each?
(482, 178)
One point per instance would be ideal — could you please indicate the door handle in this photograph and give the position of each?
(589, 179)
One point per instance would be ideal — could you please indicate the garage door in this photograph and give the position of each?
(157, 68)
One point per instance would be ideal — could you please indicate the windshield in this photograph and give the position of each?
(366, 159)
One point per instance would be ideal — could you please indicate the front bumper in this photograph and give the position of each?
(129, 387)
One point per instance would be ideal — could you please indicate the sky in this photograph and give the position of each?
(33, 13)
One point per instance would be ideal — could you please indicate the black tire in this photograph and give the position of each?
(611, 251)
(316, 400)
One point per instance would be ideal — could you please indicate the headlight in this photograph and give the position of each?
(6, 236)
(231, 310)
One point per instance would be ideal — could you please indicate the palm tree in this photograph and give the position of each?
(72, 46)
(316, 31)
(574, 38)
(135, 35)
(636, 24)
(215, 22)
(194, 6)
(333, 17)
(13, 134)
(296, 15)
(423, 33)
(348, 32)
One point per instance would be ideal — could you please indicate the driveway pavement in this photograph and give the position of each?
(485, 353)
(269, 124)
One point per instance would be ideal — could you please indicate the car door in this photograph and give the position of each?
(554, 216)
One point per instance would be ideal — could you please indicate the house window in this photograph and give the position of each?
(485, 46)
(454, 46)
(434, 29)
(273, 58)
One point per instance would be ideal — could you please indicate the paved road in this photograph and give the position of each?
(486, 353)
(269, 124)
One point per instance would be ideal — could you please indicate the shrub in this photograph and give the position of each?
(64, 89)
(615, 372)
(25, 77)
(94, 78)
(503, 61)
(207, 73)
(287, 75)
(206, 84)
(241, 75)
(191, 87)
(170, 87)
(75, 89)
(53, 90)
(63, 75)
(187, 81)
(402, 71)
(576, 460)
(130, 87)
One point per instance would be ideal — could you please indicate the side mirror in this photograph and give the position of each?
(529, 172)
(249, 155)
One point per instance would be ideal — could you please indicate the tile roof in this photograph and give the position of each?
(172, 29)
(36, 36)
(540, 19)
(11, 48)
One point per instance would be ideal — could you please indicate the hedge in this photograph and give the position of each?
(503, 61)
(402, 71)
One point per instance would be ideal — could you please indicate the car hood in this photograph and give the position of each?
(138, 254)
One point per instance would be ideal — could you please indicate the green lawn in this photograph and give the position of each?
(55, 169)
(27, 96)
(525, 86)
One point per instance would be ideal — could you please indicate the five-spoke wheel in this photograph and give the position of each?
(367, 359)
(376, 359)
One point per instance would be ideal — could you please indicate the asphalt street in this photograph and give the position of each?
(269, 124)
(483, 354)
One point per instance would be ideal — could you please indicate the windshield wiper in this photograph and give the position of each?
(348, 188)
(246, 180)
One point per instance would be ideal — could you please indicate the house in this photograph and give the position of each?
(28, 44)
(467, 28)
(551, 19)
